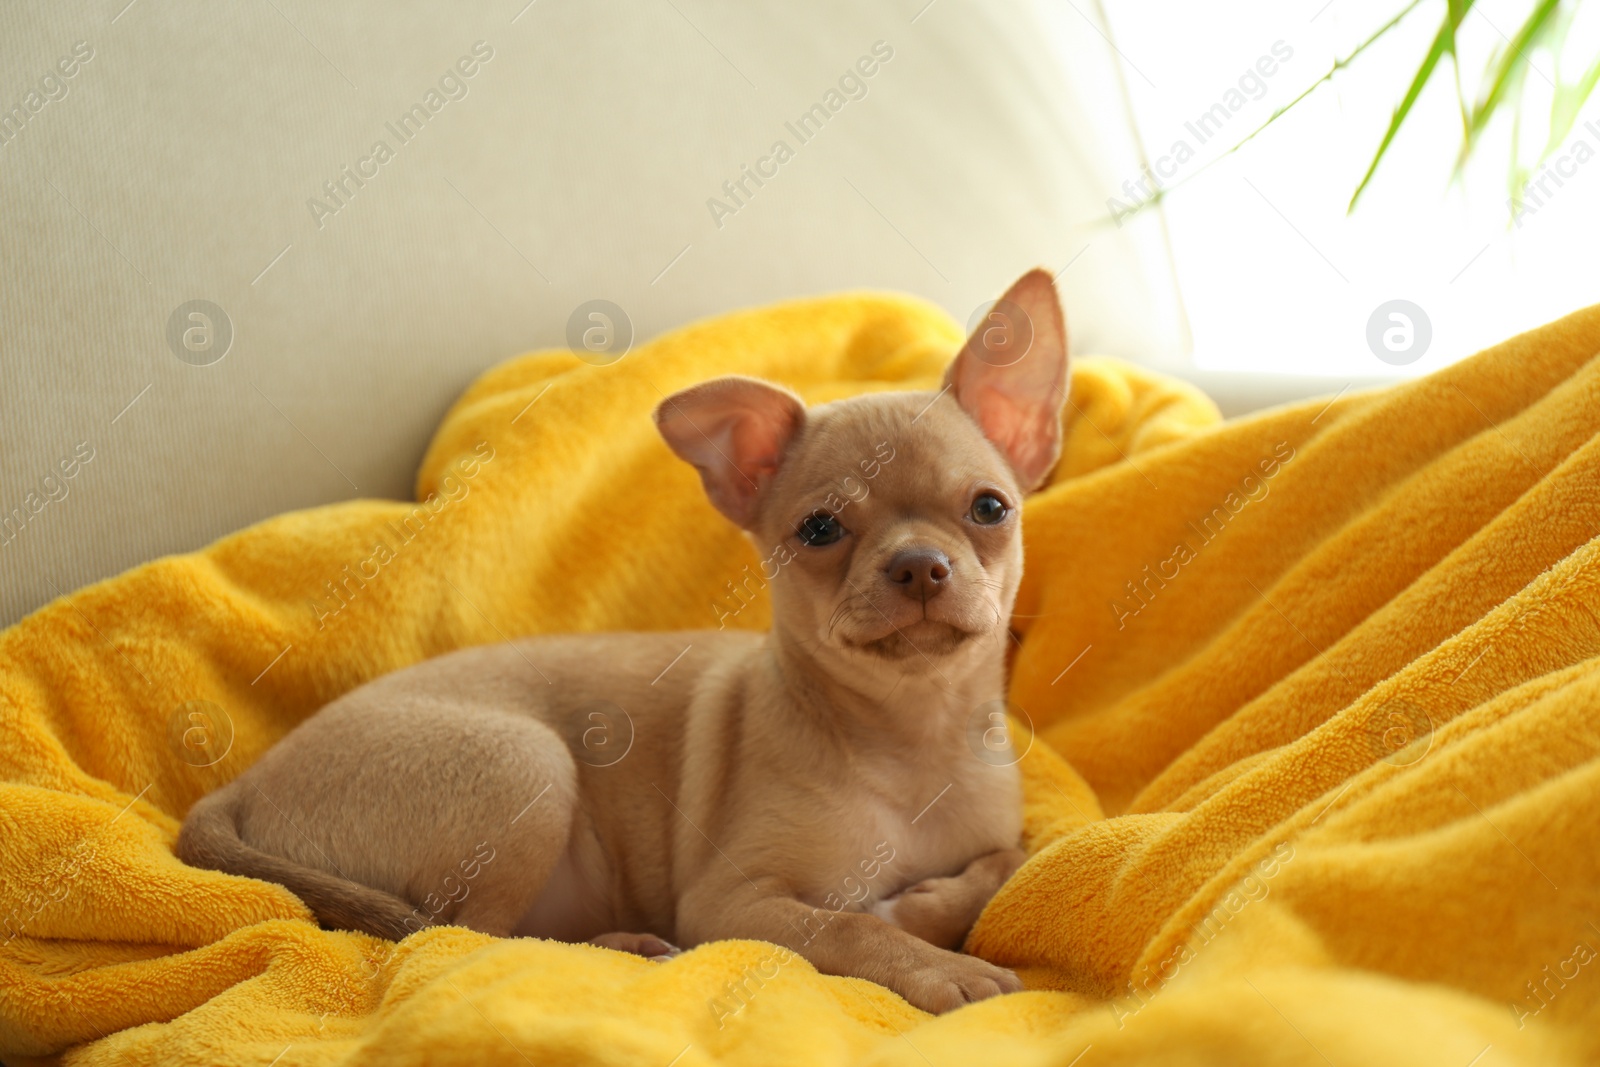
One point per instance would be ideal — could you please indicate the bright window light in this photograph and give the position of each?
(1274, 275)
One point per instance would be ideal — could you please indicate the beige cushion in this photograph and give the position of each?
(569, 156)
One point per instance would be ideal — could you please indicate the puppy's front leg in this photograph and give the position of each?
(848, 943)
(942, 910)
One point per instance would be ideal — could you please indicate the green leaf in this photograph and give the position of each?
(1338, 65)
(1565, 105)
(1513, 66)
(1510, 66)
(1443, 42)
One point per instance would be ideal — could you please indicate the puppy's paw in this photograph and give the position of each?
(955, 981)
(935, 910)
(942, 910)
(649, 946)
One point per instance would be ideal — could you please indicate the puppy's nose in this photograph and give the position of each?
(920, 572)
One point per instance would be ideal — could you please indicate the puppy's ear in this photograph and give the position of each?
(1011, 376)
(734, 431)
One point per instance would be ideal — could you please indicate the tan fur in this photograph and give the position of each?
(816, 787)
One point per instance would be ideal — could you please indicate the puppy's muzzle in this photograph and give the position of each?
(919, 573)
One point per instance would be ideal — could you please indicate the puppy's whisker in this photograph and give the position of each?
(840, 613)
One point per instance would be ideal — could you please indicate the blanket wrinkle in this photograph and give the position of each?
(1306, 700)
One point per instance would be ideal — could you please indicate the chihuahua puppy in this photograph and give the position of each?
(821, 786)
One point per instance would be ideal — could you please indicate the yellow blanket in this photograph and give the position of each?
(1314, 777)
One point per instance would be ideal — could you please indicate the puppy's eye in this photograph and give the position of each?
(987, 510)
(819, 528)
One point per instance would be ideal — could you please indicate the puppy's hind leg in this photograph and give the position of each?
(390, 815)
(523, 798)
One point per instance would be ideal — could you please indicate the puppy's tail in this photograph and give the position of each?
(210, 839)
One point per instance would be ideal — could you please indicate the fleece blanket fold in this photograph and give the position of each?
(1311, 707)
